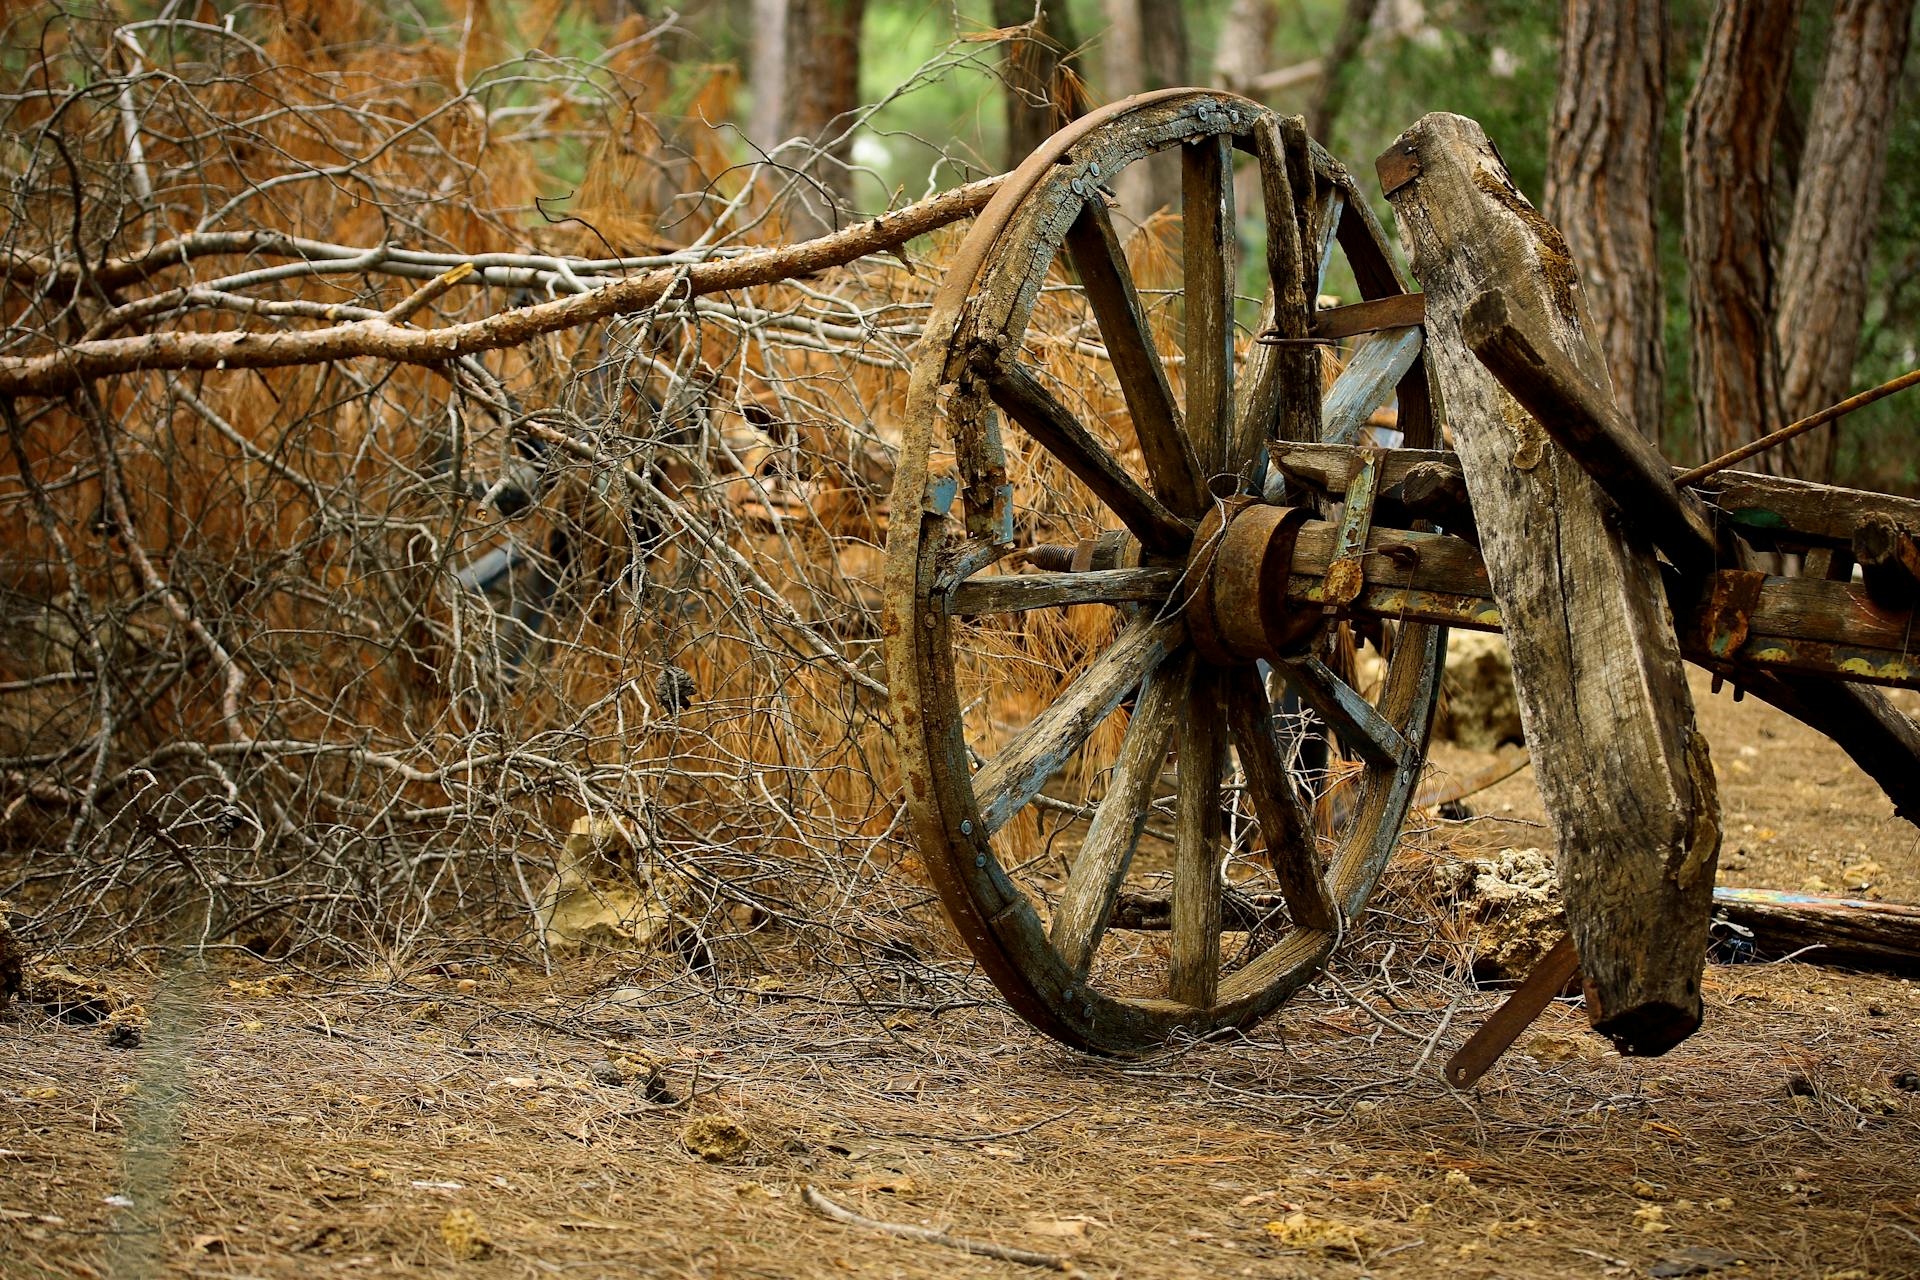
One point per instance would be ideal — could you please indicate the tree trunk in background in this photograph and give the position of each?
(822, 84)
(1332, 92)
(1603, 177)
(768, 126)
(1041, 71)
(1727, 162)
(1124, 73)
(1836, 207)
(1246, 33)
(1146, 48)
(1165, 58)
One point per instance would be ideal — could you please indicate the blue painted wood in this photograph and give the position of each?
(1366, 383)
(1015, 775)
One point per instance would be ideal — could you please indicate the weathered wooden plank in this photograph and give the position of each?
(1022, 592)
(1597, 665)
(1004, 785)
(1329, 205)
(1844, 932)
(1108, 282)
(1826, 930)
(1285, 827)
(1042, 416)
(1193, 965)
(1080, 914)
(1400, 311)
(1207, 250)
(1371, 377)
(1766, 509)
(1580, 416)
(1770, 509)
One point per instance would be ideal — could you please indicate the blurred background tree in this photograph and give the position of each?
(1801, 171)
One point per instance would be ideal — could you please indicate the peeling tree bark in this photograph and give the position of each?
(1836, 206)
(1603, 179)
(1727, 158)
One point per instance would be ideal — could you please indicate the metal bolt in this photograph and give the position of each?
(980, 860)
(966, 826)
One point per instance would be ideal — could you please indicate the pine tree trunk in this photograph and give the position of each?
(1727, 161)
(1823, 274)
(1246, 33)
(770, 123)
(1603, 178)
(822, 86)
(1164, 55)
(1042, 76)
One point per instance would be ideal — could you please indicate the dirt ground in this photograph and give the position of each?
(1796, 812)
(482, 1121)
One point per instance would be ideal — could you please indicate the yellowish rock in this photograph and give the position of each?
(1320, 1235)
(463, 1235)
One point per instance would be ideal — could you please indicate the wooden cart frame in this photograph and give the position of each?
(1245, 522)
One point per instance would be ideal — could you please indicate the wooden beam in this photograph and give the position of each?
(1580, 416)
(1597, 664)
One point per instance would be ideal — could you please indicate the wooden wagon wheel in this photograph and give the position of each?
(1120, 504)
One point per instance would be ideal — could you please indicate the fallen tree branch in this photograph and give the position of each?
(927, 1235)
(57, 372)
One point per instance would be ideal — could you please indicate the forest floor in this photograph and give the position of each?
(494, 1121)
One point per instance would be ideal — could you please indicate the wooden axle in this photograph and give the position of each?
(1262, 589)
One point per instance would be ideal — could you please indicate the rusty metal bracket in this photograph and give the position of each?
(1345, 576)
(1484, 1047)
(1726, 612)
(1397, 166)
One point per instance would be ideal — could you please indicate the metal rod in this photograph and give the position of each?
(1806, 424)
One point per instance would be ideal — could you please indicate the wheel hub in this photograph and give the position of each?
(1237, 609)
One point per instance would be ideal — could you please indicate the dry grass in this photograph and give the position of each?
(333, 1127)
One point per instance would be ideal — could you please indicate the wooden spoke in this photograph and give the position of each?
(1377, 367)
(1296, 365)
(1206, 172)
(1284, 822)
(1108, 282)
(1298, 152)
(1080, 916)
(1006, 783)
(1019, 593)
(1360, 728)
(1039, 412)
(1193, 973)
(1330, 205)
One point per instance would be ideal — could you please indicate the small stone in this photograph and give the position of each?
(1907, 1080)
(608, 1073)
(1798, 1086)
(464, 1237)
(716, 1139)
